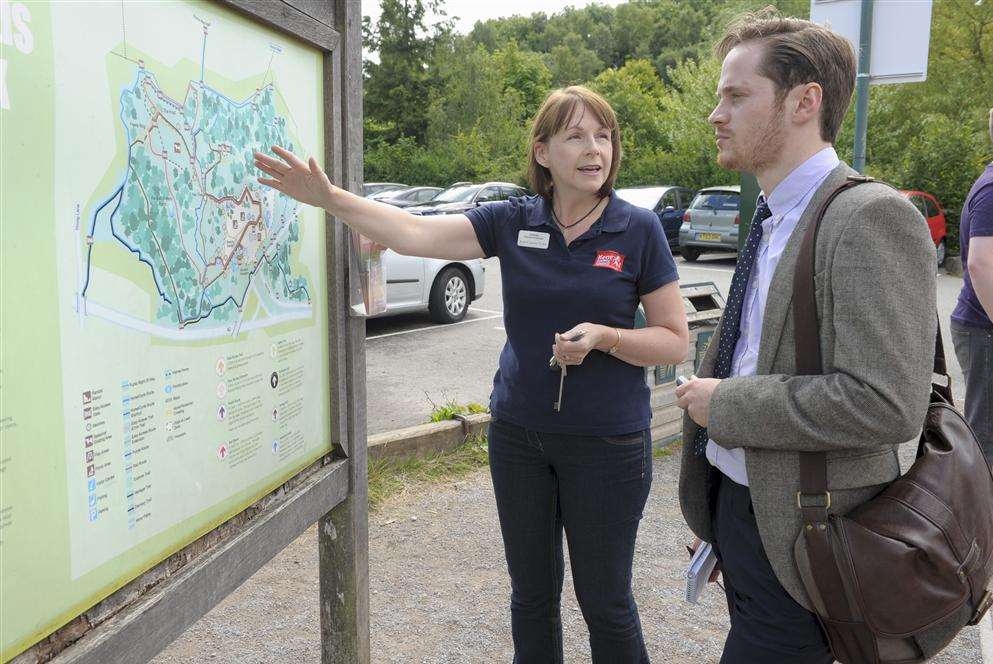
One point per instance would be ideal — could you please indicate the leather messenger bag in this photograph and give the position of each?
(896, 578)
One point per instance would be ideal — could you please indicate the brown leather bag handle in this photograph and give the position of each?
(813, 465)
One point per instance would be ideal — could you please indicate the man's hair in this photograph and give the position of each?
(795, 52)
(554, 116)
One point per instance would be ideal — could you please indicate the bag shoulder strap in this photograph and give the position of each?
(813, 499)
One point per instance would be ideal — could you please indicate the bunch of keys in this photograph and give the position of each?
(553, 363)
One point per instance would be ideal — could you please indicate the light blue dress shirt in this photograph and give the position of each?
(787, 202)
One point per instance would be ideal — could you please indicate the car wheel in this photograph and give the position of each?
(449, 296)
(942, 252)
(690, 254)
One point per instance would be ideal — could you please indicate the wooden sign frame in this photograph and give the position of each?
(139, 620)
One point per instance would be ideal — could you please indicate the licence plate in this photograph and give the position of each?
(709, 237)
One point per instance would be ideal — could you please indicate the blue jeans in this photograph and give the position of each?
(594, 488)
(974, 349)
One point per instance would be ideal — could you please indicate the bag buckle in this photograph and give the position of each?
(984, 605)
(826, 495)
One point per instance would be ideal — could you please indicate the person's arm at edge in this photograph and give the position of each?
(435, 236)
(981, 270)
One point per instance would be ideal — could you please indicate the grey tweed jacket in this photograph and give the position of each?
(875, 287)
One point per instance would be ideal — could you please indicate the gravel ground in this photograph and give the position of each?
(440, 592)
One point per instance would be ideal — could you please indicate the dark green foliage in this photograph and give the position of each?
(442, 107)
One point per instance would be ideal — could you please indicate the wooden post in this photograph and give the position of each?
(343, 534)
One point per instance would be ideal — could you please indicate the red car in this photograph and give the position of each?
(932, 211)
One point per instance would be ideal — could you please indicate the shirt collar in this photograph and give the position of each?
(614, 219)
(795, 186)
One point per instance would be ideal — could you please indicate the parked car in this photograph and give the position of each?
(370, 188)
(934, 214)
(445, 287)
(711, 222)
(384, 193)
(668, 202)
(455, 200)
(407, 197)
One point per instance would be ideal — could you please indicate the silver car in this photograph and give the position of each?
(711, 222)
(444, 287)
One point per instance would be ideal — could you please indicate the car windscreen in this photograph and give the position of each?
(646, 198)
(369, 189)
(716, 200)
(457, 194)
(383, 194)
(407, 195)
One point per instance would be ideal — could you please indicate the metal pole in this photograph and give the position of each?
(749, 193)
(862, 86)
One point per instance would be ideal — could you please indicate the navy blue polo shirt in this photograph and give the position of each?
(548, 288)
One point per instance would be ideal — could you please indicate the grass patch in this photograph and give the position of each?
(388, 477)
(667, 450)
(449, 409)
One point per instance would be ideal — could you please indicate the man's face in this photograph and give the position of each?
(749, 122)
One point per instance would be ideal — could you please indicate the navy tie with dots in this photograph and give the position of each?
(731, 327)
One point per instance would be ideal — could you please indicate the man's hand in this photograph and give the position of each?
(694, 398)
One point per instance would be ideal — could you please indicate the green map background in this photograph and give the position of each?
(37, 591)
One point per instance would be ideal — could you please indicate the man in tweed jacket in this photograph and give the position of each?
(784, 89)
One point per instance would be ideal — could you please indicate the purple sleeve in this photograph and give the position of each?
(981, 213)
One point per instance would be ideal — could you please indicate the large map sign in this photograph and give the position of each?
(164, 321)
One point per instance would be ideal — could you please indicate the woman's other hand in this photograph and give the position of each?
(306, 182)
(572, 347)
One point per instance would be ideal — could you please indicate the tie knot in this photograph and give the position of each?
(762, 211)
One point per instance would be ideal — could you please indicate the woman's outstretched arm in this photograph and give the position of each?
(435, 236)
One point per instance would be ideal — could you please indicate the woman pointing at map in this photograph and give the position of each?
(569, 443)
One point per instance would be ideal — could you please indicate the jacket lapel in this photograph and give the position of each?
(780, 297)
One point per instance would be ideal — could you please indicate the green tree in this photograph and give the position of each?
(636, 92)
(395, 87)
(571, 62)
(525, 73)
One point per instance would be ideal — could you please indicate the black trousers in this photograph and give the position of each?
(593, 489)
(767, 625)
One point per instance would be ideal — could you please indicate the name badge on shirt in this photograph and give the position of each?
(532, 239)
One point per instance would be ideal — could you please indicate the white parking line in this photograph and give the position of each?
(433, 328)
(986, 638)
(487, 311)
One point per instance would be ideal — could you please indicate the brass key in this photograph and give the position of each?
(557, 406)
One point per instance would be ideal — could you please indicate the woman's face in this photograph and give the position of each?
(579, 155)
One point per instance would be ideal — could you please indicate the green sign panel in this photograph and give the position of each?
(164, 322)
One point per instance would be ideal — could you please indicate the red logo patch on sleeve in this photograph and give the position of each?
(610, 260)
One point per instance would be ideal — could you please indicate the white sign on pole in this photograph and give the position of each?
(901, 34)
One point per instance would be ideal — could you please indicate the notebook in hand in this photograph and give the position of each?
(701, 566)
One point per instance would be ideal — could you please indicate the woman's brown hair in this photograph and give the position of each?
(554, 116)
